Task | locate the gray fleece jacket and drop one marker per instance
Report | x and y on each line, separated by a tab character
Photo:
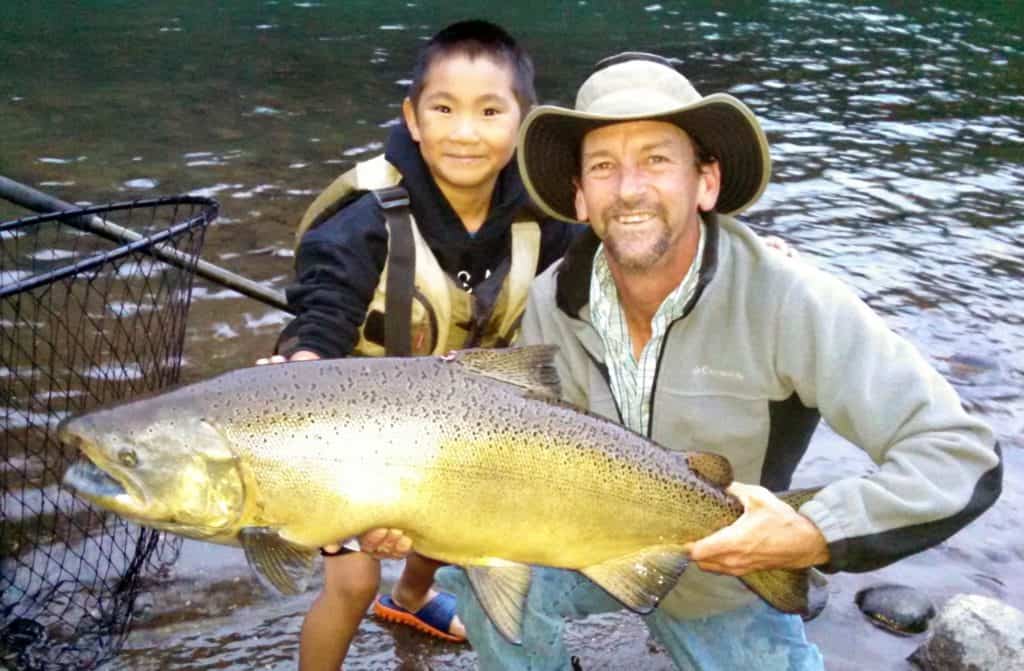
765	348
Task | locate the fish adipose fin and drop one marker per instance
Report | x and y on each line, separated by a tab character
642	579
714	468
783	589
798	497
501	591
286	567
532	367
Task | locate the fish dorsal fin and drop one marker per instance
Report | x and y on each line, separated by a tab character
531	367
714	468
284	566
797	497
642	579
501	591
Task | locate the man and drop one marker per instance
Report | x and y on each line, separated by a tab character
673	318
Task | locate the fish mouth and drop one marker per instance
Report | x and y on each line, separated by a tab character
94	482
91	481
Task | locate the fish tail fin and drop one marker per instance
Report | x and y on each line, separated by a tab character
785	590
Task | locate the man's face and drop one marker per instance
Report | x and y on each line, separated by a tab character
465	122
641	190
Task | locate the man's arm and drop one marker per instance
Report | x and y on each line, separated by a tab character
938	467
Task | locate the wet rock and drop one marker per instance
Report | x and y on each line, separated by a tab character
896	608
973	633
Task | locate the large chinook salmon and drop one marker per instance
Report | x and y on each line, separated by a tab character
472	455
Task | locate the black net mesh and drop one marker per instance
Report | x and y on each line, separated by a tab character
84	321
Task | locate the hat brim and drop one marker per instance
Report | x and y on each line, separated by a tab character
550	138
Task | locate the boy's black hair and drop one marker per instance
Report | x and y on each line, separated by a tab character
475	38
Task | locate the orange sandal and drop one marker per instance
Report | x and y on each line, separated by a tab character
434	618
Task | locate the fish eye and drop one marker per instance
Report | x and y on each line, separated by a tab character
128	457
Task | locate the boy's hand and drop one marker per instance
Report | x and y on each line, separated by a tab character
385	543
301	355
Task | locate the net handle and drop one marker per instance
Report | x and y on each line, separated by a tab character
181	259
36	200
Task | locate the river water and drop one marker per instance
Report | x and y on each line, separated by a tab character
897	134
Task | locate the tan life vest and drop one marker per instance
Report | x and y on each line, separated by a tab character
442	315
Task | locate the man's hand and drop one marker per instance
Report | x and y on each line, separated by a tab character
301	355
768	535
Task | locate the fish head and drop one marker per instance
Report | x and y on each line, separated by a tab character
159	466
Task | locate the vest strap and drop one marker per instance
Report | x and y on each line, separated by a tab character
394	201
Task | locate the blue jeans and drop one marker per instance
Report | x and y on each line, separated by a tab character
754	637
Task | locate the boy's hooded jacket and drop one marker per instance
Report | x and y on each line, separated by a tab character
339	262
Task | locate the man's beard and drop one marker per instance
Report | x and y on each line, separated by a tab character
627	256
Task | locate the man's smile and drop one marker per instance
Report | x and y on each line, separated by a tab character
633	218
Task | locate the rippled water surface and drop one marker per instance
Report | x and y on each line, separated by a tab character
898	146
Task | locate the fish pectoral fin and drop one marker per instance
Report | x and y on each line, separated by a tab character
642	579
714	468
532	367
501	591
783	589
285	566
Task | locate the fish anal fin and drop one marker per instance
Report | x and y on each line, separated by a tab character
284	566
785	590
714	468
502	591
531	368
642	579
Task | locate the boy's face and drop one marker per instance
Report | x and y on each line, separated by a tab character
466	122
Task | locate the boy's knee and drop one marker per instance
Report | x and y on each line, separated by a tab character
352	578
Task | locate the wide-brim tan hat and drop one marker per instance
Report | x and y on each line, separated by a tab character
632	87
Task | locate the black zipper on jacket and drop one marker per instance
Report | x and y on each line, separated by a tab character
708	267
572	288
602	368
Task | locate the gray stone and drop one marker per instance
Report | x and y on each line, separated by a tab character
973	633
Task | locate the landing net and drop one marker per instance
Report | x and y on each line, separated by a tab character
85	320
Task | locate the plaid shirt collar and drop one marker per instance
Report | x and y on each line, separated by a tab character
632	380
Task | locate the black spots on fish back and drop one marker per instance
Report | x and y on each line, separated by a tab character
369	396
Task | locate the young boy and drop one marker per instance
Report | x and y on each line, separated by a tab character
449	269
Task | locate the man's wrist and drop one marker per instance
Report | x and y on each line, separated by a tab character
818	552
